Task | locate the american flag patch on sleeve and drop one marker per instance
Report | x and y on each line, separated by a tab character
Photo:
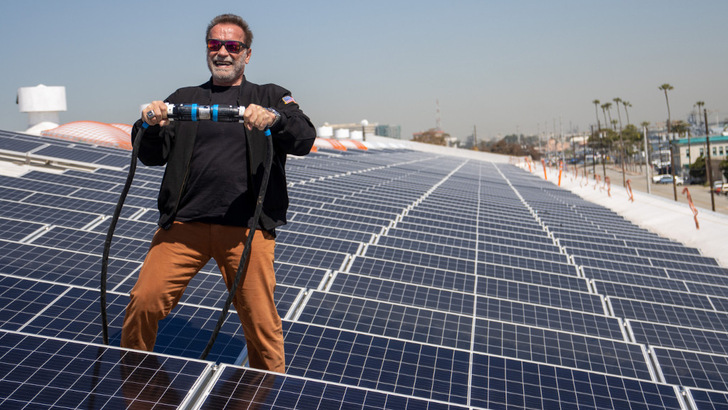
288	99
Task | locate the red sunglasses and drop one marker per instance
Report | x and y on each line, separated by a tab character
230	45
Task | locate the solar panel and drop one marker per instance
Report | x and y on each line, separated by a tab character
244	388
701	370
54	373
405	280
679	337
702	399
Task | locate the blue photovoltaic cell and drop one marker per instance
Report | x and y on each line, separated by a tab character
299	255
21	300
299	276
720	304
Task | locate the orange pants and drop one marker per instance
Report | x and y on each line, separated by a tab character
174	258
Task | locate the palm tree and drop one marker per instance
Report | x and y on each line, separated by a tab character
608	107
667	87
700	105
604	113
626	104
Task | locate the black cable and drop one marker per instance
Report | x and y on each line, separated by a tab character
112	227
239	275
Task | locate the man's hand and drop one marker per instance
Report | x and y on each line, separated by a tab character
258	117
155	114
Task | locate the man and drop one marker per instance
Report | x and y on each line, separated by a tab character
207	197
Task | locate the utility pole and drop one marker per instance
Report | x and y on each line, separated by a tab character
708	167
647	157
590	144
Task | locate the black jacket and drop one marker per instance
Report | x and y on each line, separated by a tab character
172	146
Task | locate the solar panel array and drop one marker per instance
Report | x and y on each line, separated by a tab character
405	280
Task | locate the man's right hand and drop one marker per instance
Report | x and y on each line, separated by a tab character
155	114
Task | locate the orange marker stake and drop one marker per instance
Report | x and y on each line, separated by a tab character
692	207
629	191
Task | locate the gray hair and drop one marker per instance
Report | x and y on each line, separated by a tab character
231	19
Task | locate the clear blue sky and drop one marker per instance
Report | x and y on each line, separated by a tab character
502	66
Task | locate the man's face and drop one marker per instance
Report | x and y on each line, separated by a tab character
227	68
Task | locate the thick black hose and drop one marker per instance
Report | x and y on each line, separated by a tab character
243	259
112	227
239	275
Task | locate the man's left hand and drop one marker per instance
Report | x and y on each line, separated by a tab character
258	117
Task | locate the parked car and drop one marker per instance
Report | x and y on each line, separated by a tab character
720	187
667	179
656	178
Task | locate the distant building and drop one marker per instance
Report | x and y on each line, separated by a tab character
698	147
354	130
391	131
435	136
